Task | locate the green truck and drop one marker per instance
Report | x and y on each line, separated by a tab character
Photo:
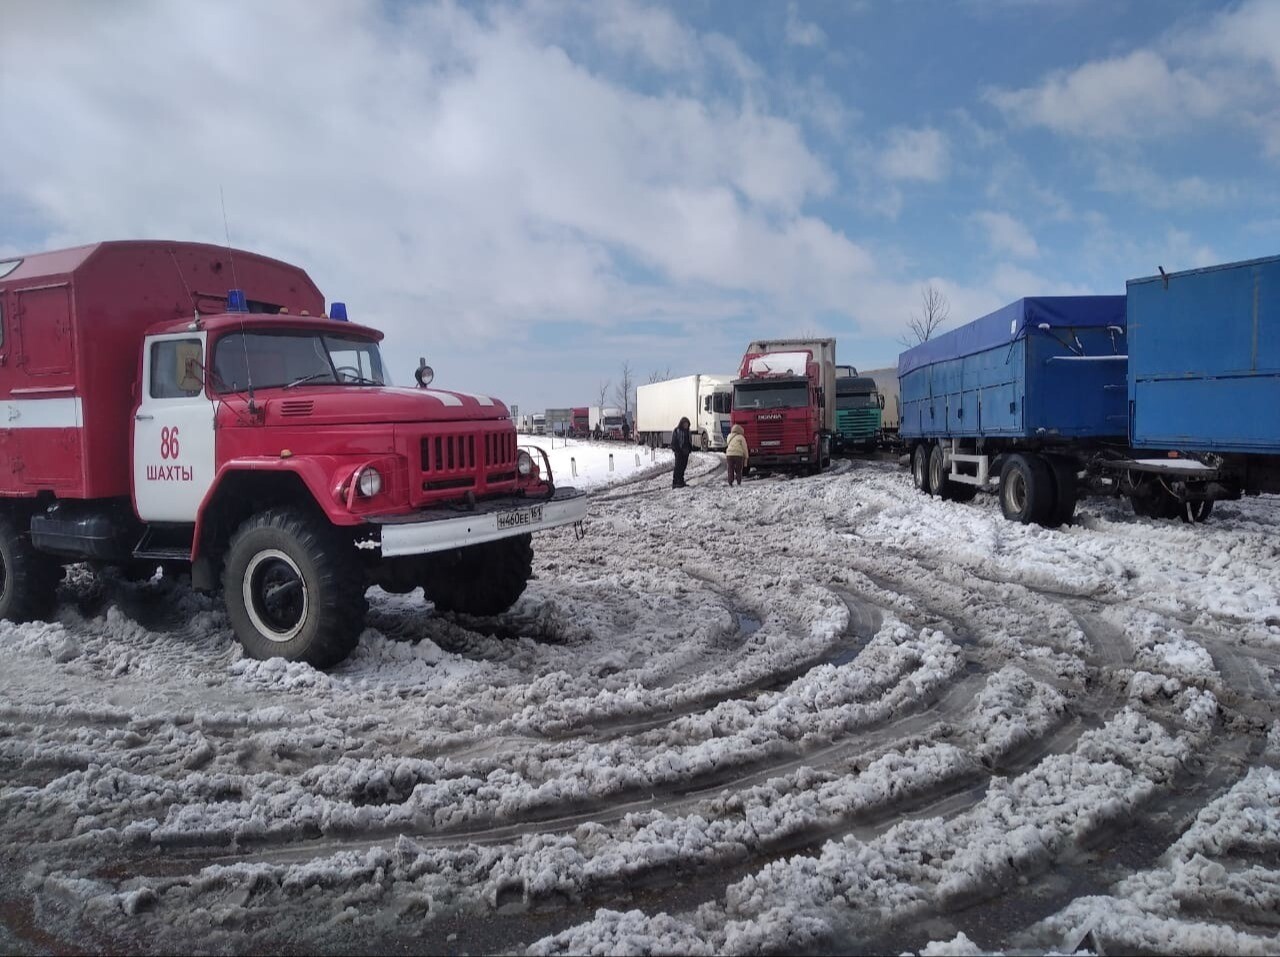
858	411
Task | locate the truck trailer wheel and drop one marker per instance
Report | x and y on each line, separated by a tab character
28	578
1026	489
1195	512
294	589
920	468
941	485
1066	490
481	579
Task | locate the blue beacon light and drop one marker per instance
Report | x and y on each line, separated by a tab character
338	311
236	301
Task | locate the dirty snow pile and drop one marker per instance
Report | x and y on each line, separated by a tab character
803	715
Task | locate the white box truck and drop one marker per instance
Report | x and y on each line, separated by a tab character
706	400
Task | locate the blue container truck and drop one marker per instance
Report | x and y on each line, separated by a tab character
1169	395
1027	393
1204	386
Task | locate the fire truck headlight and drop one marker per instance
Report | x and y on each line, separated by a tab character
802	448
524	463
369	482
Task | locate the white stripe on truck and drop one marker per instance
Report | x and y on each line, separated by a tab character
63	413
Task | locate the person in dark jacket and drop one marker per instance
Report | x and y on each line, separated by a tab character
681	445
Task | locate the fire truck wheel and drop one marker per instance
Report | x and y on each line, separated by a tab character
28	578
293	589
481	579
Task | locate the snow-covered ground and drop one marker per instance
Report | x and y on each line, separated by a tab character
808	715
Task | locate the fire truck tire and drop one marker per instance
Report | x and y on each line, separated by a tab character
28	578
481	579
294	589
1026	489
920	468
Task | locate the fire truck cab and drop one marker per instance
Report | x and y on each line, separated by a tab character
181	405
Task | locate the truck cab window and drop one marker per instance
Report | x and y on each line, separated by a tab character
177	369
272	360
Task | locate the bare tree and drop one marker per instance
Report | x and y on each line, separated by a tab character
604	393
656	376
622	392
934	311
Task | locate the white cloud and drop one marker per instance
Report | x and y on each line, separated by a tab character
455	175
1129	96
1007	235
1250	33
1134	181
1201	71
802	33
917	154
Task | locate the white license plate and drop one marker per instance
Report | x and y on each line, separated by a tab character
771	442
520	516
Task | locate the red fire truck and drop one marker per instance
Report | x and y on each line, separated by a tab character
187	406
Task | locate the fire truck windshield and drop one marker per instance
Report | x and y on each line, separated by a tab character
771	395
267	360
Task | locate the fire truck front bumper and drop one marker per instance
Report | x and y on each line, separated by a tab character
440	529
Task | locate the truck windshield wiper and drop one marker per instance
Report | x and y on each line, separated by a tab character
309	378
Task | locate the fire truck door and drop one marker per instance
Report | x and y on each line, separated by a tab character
173	458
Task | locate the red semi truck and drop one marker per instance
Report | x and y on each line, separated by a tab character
784	399
192	406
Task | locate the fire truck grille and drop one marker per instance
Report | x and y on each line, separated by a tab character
456	461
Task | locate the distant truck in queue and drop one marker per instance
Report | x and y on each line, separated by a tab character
886	381
1168	395
193	407
608	422
784	398
705	400
581	422
558	421
858	407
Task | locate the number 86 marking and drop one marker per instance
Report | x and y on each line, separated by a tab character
169	442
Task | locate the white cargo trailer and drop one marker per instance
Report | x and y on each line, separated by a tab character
887	385
706	400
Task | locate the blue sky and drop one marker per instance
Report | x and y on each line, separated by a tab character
531	194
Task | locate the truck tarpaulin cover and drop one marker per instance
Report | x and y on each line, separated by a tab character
779	363
1013	322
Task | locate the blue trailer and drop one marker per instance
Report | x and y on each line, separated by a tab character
1204	385
1026	393
1169	395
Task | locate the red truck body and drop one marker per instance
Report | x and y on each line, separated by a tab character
73	323
784	399
581	427
186	404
